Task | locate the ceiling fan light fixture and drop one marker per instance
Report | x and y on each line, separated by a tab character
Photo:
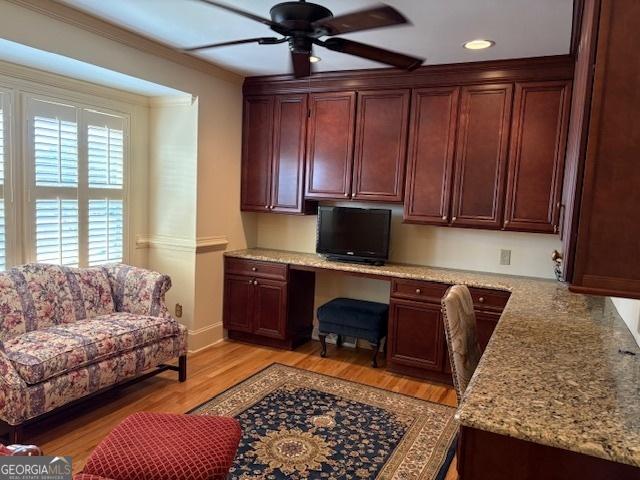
478	44
314	59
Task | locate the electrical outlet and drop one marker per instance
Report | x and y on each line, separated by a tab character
505	257
178	310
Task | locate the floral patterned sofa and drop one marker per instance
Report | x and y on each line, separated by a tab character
68	332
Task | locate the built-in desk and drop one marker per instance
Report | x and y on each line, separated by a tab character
556	391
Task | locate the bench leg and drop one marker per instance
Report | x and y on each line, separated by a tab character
323	342
15	434
374	359
182	368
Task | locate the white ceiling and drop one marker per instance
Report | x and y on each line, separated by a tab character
70	67
520	28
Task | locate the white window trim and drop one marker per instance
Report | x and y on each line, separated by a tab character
17	88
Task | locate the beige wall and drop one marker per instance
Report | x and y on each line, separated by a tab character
467	249
418	244
629	310
173	162
216	214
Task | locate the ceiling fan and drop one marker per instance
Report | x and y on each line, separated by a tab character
302	24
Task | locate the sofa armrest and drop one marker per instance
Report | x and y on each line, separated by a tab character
9	377
139	291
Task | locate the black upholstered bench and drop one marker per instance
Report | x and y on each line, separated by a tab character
347	317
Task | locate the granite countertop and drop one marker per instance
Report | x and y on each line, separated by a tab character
554	372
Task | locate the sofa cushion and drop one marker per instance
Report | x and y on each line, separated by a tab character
37	296
43	354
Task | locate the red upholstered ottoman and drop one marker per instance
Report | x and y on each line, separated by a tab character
162	446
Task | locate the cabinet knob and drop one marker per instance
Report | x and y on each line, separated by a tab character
255	282
444	217
481	299
418	291
267	207
250	282
454	219
346	195
254	269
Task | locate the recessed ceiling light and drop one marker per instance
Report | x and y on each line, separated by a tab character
478	44
314	59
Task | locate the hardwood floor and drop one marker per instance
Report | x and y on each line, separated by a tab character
77	431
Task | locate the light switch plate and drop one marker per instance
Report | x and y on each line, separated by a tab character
505	257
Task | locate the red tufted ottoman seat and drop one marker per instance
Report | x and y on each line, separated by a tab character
162	446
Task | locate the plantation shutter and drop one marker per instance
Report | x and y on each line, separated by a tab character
77	179
105	143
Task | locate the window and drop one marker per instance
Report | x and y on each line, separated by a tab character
75	183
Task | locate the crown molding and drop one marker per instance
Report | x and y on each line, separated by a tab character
557	67
25	77
116	33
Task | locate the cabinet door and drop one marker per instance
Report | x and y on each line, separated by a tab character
380	145
330	145
288	153
485	325
257	144
536	156
607	258
269	308
238	301
481	156
416	334
431	145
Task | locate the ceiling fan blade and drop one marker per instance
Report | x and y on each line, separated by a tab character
301	64
382	16
370	52
265	21
260	41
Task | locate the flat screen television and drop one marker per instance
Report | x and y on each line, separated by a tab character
354	234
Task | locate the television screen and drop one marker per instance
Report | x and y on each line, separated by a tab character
358	234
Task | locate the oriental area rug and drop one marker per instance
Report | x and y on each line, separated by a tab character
298	424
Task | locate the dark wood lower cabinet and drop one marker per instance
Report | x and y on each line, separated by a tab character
415	339
270	313
417	344
258	309
272	303
484	455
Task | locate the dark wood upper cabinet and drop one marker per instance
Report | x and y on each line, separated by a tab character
273	150
481	156
330	135
536	156
607	257
287	189
257	147
380	145
431	147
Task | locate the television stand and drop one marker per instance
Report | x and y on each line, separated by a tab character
349	259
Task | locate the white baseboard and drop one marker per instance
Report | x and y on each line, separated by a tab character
205	337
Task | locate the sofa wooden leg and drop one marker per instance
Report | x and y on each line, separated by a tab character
15	434
182	368
374	359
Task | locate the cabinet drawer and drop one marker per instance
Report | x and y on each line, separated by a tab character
417	290
254	268
486	299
